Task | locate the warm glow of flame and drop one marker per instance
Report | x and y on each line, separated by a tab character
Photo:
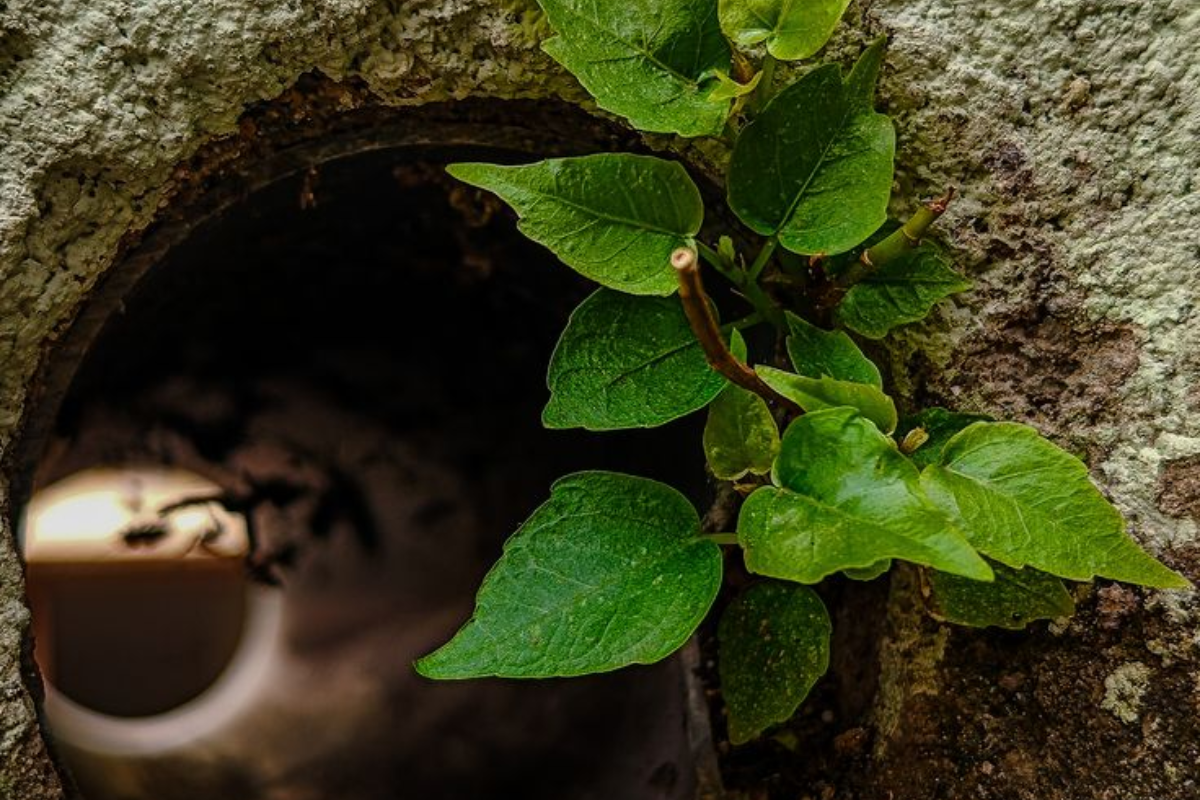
86	518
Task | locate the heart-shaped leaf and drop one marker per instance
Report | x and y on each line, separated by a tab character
614	217
814	394
627	362
610	571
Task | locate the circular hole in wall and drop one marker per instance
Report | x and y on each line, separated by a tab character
354	355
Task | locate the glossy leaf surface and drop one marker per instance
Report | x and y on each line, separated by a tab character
819	353
814	394
791	29
627	362
614	218
903	290
1025	502
650	61
610	571
847	500
815	166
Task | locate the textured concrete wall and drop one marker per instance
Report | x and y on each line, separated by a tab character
1071	129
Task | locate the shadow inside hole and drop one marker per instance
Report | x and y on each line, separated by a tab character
366	348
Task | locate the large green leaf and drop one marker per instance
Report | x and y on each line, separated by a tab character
627	362
817	353
815	167
650	61
610	571
740	435
814	394
613	217
903	290
774	645
1024	502
940	425
1016	598
848	500
792	29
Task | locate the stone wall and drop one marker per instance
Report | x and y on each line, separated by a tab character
1070	128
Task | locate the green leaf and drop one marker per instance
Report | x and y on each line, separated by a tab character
740	435
869	573
1016	598
848	500
815	166
817	353
903	290
1024	502
610	571
729	89
627	362
940	425
650	61
814	394
774	645
613	217
792	29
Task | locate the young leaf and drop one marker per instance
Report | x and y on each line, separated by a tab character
627	362
848	500
792	30
940	425
740	435
729	89
614	217
1024	502
901	291
774	645
649	61
870	573
817	353
815	166
1016	598
610	571
814	394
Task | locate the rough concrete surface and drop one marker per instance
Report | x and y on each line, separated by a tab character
1070	128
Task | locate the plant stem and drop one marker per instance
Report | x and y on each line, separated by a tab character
902	240
762	94
700	314
763	257
748	321
727	271
722	538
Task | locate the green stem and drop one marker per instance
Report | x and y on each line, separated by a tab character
762	94
730	539
748	321
902	240
764	256
727	271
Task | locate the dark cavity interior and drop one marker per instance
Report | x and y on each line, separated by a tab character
366	342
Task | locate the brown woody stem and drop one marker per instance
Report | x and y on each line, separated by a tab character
700	314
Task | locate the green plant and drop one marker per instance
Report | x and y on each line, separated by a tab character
613	569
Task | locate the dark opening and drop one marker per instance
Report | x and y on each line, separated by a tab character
365	342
